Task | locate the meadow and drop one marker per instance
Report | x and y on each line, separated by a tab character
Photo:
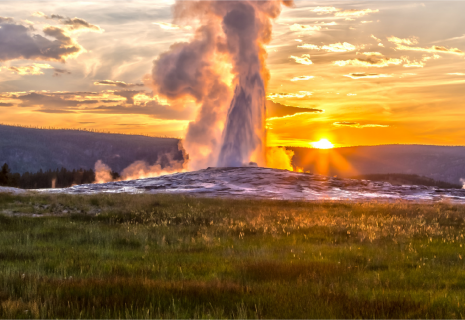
161	256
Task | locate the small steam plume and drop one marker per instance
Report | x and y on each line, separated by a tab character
165	164
463	181
102	172
223	69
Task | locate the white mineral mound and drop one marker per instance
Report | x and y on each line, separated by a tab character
265	183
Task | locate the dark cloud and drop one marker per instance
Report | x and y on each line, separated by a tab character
50	101
109	101
6	104
6	20
128	94
58	72
17	42
55	111
274	109
120	84
72	23
152	108
86	122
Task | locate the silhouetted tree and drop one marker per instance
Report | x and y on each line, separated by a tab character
5	175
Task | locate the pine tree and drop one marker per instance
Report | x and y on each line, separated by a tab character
5	175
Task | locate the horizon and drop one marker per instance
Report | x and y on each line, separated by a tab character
340	71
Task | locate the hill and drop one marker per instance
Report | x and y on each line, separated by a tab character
27	149
442	163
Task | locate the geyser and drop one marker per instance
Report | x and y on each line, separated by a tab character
222	68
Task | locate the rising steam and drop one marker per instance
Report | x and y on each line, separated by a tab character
222	69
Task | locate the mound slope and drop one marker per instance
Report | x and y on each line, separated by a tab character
266	183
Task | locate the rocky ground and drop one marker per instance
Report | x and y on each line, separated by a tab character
266	183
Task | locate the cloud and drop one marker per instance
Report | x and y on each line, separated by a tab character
305	59
372	53
354	13
152	108
278	110
456	74
6	20
55	111
364	75
334	47
128	94
379	63
300	94
6	104
433	49
303	27
58	72
35	69
300	78
409	41
51	101
351	94
366	21
377	39
358	125
71	24
404	44
17	42
114	83
170	26
413	64
325	10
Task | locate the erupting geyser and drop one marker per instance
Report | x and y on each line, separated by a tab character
222	68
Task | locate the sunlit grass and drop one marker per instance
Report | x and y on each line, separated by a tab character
153	256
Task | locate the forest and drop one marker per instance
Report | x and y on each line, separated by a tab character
59	178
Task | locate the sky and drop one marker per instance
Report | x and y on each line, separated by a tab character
352	72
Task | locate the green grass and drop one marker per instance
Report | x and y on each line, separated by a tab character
155	256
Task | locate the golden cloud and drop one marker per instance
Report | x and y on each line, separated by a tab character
358	125
304	59
35	69
369	63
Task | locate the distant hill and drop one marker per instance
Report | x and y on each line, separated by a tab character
26	149
436	162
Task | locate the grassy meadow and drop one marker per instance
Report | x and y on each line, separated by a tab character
159	256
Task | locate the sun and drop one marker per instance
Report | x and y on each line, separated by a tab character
322	144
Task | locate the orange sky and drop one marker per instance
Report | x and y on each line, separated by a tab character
361	73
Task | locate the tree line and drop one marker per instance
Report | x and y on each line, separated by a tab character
59	178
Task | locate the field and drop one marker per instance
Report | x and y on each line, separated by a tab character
157	256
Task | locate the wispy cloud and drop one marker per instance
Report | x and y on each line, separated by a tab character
304	27
379	63
358	125
120	84
334	47
364	75
300	78
300	94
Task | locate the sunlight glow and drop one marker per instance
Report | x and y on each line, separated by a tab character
322	144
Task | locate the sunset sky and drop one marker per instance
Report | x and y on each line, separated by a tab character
355	73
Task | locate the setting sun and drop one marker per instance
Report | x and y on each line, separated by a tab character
322	144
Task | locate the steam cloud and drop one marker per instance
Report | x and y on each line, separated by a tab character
165	164
222	68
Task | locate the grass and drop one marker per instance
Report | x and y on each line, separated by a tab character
158	256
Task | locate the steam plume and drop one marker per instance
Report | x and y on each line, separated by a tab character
222	68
